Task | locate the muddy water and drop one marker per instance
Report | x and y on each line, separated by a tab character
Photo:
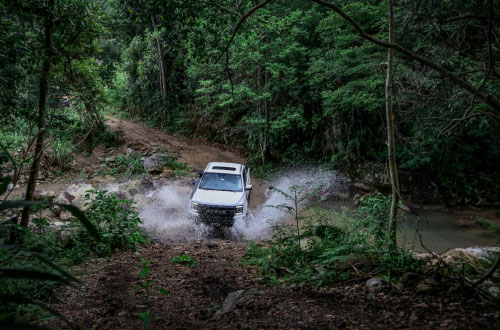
442	231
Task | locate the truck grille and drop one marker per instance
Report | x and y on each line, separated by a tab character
214	211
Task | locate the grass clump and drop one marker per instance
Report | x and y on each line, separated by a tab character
180	169
184	259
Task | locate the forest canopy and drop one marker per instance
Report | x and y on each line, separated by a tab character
297	82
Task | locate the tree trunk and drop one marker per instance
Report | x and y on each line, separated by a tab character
35	166
262	104
267	151
163	81
393	173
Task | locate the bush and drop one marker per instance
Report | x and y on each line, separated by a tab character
328	243
116	219
130	164
184	260
127	165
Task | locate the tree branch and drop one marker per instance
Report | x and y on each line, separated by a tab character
240	22
486	98
221	7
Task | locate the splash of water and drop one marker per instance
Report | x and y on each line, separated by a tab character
164	211
260	222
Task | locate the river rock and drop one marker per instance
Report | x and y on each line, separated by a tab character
154	163
230	303
132	187
122	195
485	252
494	291
376	284
10	186
458	254
147	181
79	191
65	215
110	160
427	285
64	198
356	199
307	242
168	173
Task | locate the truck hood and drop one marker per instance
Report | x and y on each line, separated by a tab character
218	197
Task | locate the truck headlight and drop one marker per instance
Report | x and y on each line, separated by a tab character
239	210
194	207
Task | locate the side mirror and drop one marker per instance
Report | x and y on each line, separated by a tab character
248	187
200	173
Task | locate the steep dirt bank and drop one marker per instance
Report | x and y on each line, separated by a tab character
194	153
107	299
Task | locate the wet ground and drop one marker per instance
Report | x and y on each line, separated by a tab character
108	297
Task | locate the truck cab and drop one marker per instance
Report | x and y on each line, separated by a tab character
221	194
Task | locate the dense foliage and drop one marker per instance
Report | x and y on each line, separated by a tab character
299	83
296	83
30	270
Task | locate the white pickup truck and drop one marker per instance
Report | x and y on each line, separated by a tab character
221	194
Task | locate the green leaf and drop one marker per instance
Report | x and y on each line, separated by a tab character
26	301
163	291
29	274
54	266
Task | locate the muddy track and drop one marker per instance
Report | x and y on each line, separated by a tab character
194	153
109	299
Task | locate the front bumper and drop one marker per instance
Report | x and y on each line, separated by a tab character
215	215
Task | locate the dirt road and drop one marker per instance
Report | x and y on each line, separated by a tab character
194	153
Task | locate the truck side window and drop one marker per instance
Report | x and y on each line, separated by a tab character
245	176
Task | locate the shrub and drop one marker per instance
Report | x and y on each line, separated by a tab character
327	245
180	169
130	164
116	219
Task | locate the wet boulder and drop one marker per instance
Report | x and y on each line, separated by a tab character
230	303
147	181
79	191
376	284
154	163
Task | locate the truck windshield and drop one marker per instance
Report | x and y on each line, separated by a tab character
221	181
